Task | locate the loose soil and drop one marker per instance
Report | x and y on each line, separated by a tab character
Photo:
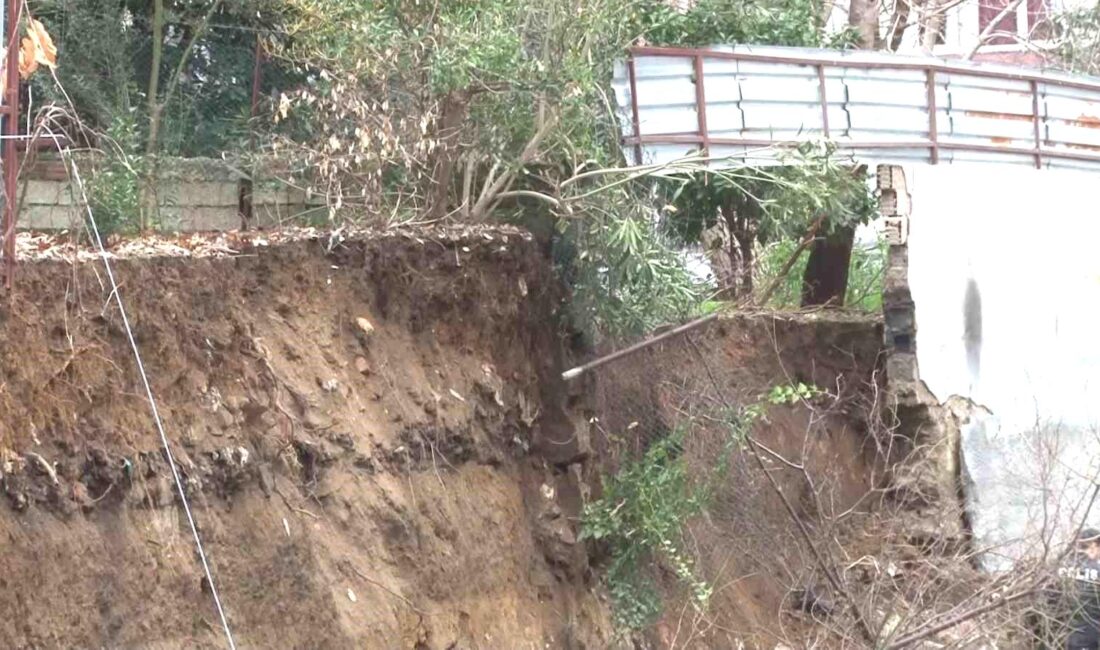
355	423
377	444
747	546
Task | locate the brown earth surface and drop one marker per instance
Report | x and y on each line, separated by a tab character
377	446
746	545
354	428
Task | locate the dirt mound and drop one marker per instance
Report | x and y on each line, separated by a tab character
358	425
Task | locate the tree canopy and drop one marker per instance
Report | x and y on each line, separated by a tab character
408	110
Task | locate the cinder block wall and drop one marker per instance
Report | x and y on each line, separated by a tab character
192	195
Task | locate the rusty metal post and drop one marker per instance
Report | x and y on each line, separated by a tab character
1037	120
632	73
933	125
701	104
11	130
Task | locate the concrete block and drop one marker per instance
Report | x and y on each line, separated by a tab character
892	190
47	192
896	230
207	193
271	196
49	217
197	218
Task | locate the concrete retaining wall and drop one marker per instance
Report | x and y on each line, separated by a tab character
992	294
193	195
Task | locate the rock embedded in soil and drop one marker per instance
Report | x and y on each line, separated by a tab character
366	329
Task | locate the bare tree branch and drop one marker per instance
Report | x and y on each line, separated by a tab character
989	30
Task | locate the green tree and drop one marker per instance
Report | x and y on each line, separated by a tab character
736	211
1077	39
472	108
107	48
740	210
419	111
176	72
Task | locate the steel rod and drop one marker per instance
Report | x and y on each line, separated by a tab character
1037	121
614	356
11	129
635	124
701	105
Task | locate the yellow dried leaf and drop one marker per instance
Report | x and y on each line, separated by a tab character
36	49
45	52
28	62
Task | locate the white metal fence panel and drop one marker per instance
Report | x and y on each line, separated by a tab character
747	103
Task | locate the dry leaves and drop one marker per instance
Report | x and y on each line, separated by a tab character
35	49
62	246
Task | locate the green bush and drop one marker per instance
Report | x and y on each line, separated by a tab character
641	517
113	187
646	505
866	277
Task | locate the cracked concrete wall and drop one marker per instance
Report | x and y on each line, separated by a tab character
992	293
927	474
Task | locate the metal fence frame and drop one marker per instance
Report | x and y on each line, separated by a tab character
931	68
9	111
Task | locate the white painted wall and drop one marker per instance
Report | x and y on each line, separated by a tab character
1029	239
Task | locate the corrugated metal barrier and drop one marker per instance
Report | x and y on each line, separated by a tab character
747	103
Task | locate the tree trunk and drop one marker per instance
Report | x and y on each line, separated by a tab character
863	16
148	189
453	116
898	24
932	26
744	238
826	278
719	252
729	248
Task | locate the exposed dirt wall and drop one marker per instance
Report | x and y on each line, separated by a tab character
359	430
380	451
826	462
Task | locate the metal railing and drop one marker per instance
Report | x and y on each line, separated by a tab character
989	88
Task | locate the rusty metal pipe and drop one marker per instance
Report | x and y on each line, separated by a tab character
635	125
637	347
11	130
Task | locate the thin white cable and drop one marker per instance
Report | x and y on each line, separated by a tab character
152	402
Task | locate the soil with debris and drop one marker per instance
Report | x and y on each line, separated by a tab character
374	436
357	418
768	591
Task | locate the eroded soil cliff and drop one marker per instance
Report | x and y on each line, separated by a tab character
357	423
